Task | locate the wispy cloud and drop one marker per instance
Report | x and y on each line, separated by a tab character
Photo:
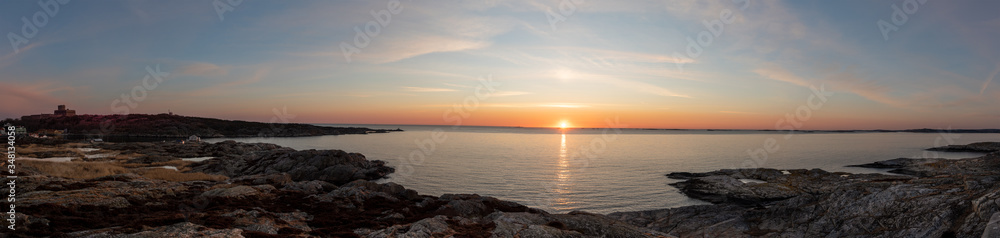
837	80
226	87
508	93
458	85
531	105
989	79
427	90
737	112
201	69
643	87
564	105
20	98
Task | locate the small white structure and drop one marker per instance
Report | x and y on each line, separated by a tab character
194	138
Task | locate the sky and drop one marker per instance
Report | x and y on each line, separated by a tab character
740	64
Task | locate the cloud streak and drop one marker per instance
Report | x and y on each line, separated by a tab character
989	79
427	90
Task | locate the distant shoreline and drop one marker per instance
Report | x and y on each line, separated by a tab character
923	130
150	127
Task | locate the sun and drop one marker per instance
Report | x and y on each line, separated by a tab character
564	74
564	125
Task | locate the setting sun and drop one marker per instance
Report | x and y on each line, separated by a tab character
563	125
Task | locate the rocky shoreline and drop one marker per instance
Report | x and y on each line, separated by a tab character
930	198
260	190
265	190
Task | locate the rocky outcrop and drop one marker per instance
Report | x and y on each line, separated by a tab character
465	215
933	198
333	166
252	206
162	151
984	147
928	167
280	192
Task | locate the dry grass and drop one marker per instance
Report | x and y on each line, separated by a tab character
171	175
89	170
175	163
74	170
34	148
113	165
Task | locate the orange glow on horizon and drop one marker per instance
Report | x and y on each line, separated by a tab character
575	118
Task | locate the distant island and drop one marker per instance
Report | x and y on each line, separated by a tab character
135	127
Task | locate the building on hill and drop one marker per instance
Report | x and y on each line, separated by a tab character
61	111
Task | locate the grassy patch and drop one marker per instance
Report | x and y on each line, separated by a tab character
171	175
74	170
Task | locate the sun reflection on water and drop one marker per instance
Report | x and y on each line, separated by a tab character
563	179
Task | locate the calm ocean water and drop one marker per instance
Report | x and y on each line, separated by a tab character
603	170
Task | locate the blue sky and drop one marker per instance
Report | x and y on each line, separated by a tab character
604	59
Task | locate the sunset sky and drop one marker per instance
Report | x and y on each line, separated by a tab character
599	60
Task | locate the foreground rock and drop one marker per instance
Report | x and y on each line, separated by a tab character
274	206
934	198
279	192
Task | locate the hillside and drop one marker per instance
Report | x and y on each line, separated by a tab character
166	125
